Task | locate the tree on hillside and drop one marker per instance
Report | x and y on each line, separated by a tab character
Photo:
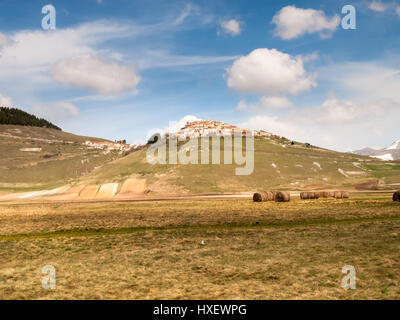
22	118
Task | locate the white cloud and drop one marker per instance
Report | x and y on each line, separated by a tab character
95	74
5	101
265	104
172	127
269	72
366	112
355	78
376	6
57	111
292	22
36	50
231	27
26	56
275	102
186	12
330	132
274	125
335	111
335	124
3	39
160	58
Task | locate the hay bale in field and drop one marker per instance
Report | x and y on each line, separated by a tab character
396	196
331	194
260	196
282	196
312	195
345	195
304	196
342	195
271	195
264	196
338	194
323	194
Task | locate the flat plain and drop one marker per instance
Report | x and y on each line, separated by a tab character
202	249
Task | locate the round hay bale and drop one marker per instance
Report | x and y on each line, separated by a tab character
338	194
282	196
304	196
331	194
311	195
260	196
323	194
345	195
396	196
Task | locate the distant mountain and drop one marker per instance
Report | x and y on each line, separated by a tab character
390	153
366	151
15	116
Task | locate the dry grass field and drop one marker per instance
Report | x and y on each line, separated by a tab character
154	250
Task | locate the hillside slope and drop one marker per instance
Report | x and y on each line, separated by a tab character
69	169
63	157
278	165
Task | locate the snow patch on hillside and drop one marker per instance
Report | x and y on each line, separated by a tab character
385	157
394	146
317	164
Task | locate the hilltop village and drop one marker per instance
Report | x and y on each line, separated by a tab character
215	128
192	129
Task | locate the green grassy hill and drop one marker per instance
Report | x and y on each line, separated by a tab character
278	165
63	158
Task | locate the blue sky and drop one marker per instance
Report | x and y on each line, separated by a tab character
117	69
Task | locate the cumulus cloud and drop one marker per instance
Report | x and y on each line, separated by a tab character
292	22
5	101
57	111
376	6
92	73
231	27
265	104
269	72
358	116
